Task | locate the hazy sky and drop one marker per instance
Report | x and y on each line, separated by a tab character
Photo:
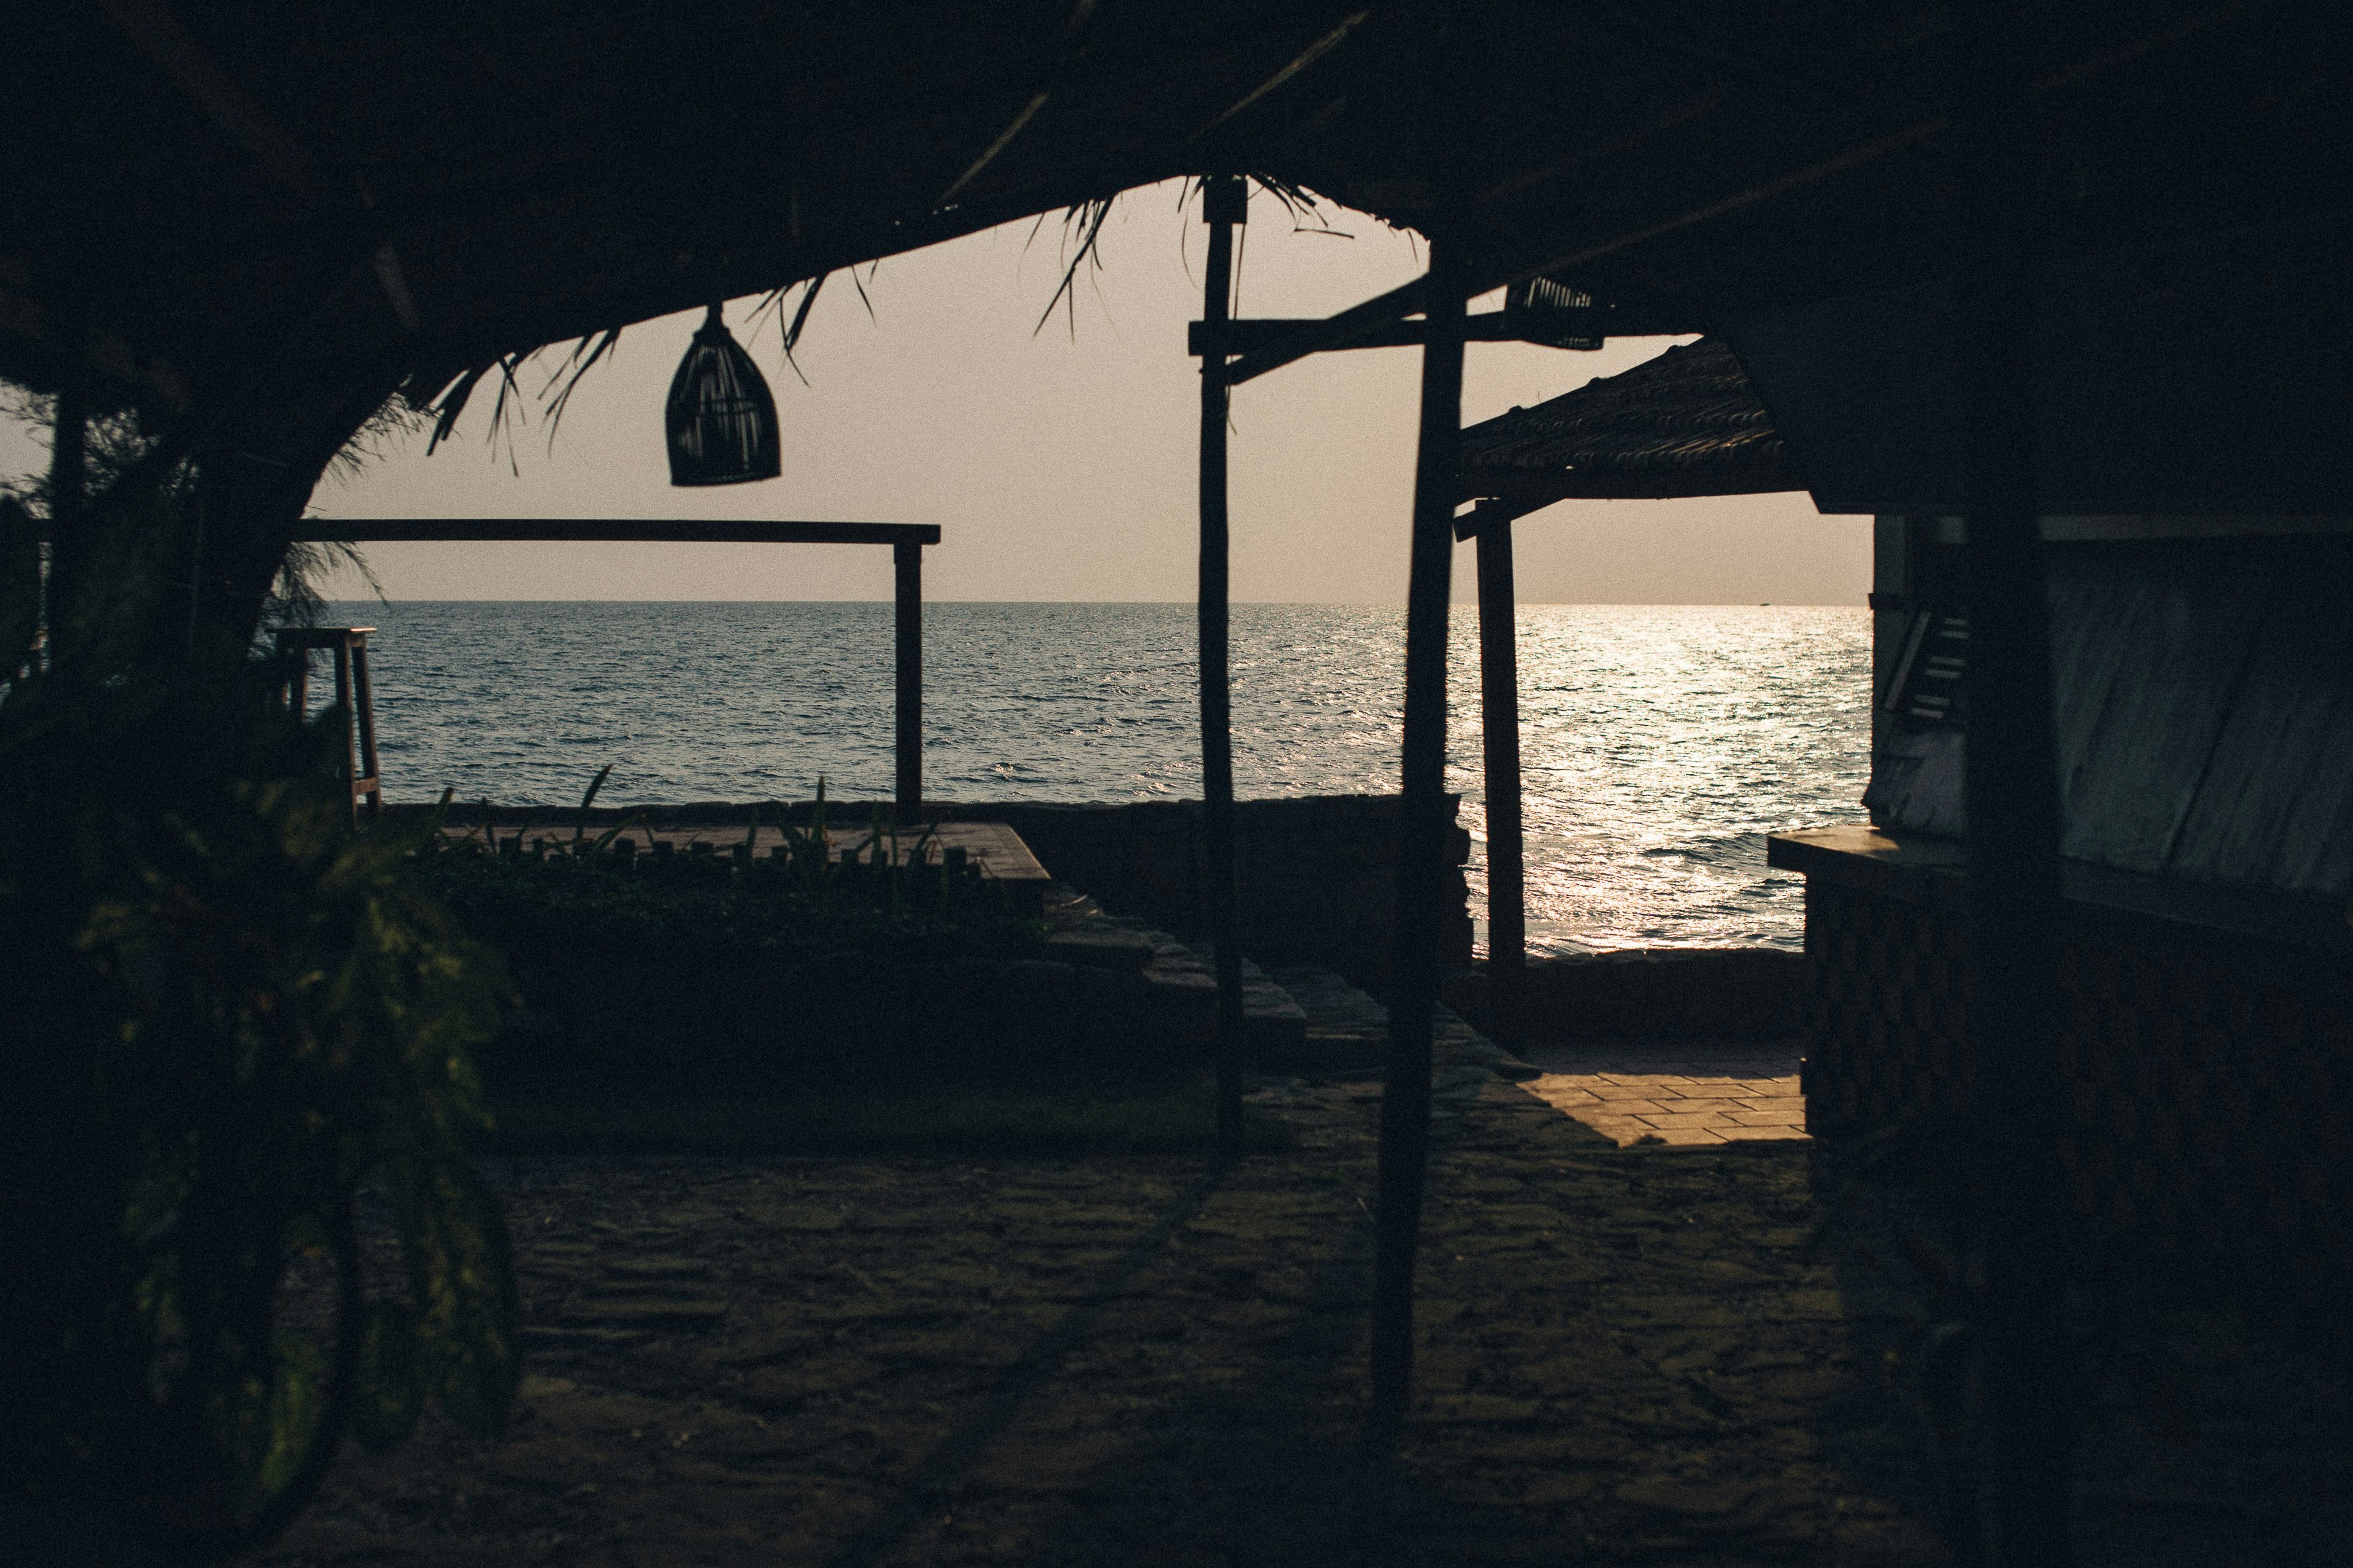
1060	465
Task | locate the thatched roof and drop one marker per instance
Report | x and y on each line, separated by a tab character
1686	422
207	197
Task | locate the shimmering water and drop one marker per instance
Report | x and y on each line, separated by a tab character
1662	743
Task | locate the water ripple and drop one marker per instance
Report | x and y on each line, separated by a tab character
1662	743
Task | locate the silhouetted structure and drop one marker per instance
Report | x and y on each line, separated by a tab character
1983	261
906	541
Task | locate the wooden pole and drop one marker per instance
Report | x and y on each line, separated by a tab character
1499	702
1421	851
2020	1102
907	559
1224	205
339	655
69	485
364	712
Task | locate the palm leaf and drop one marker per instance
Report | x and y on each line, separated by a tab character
581	828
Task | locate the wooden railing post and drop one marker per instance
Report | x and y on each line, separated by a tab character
907	559
1421	851
1499	703
2021	1101
1224	205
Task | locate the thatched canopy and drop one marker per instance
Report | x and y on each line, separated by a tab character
1687	422
209	201
215	183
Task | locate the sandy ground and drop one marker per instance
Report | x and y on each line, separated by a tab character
1646	1354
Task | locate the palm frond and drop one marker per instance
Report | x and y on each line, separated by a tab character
579	362
1087	219
800	320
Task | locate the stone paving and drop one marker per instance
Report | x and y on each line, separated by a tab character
1652	1354
1704	1356
1675	1091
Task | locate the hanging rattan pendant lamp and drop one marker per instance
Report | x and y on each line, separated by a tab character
722	420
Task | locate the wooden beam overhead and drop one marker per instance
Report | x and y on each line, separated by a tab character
1533	487
598	530
1558	328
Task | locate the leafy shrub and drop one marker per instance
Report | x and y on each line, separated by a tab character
227	1011
646	967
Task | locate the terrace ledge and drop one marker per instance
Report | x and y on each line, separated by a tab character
1931	872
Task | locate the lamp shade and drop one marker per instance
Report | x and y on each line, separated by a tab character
722	420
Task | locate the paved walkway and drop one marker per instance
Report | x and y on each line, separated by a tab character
1675	1091
1626	1356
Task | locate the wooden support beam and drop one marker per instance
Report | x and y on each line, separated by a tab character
2021	1103
1345	329
1421	852
595	530
1224	205
68	490
151	28
1333	332
1529	489
1381	322
907	643
1499	702
906	541
1564	327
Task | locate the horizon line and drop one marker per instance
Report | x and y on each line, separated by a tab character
1172	604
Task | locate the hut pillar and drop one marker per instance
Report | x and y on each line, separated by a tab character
1499	702
1421	849
2019	1101
1225	203
68	463
907	562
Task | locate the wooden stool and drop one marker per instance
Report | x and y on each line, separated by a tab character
349	645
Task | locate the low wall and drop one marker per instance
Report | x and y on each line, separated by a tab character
1317	873
1720	992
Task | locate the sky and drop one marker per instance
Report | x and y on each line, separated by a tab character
1059	461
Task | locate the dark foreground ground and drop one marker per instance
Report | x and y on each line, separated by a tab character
1706	1355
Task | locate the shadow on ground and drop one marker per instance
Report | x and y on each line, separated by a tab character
1628	1355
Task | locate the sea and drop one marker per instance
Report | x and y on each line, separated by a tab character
1661	743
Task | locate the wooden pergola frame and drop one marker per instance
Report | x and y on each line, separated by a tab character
2012	783
906	541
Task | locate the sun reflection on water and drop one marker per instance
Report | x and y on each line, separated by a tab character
1661	743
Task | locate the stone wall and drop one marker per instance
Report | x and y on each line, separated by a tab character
1714	993
1317	873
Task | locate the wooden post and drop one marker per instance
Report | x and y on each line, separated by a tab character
298	690
1499	703
370	773
69	484
1421	851
339	656
907	559
1225	203
2021	1101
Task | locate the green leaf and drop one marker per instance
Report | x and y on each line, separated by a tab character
297	1394
604	840
461	1282
390	1392
581	828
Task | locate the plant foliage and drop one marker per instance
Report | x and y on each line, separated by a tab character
569	905
228	1011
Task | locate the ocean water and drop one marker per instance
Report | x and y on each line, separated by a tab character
1661	744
